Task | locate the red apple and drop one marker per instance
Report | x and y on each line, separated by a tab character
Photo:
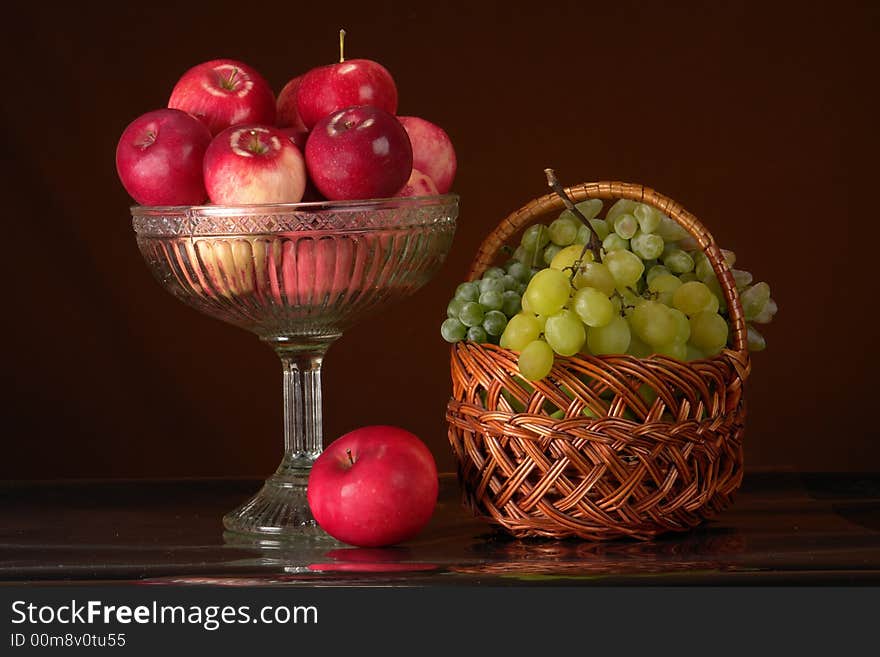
250	164
159	158
297	136
418	185
374	486
287	116
328	89
359	153
433	153
224	93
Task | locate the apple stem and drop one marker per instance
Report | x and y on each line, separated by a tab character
350	457
341	46
594	243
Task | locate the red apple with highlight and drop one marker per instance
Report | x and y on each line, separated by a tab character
433	153
159	158
359	153
375	486
325	90
224	93
254	164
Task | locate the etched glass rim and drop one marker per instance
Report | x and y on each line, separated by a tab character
178	220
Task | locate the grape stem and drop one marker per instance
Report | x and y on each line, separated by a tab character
594	243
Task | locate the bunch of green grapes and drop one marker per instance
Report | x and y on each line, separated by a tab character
651	291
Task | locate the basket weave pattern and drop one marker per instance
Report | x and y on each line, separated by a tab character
659	448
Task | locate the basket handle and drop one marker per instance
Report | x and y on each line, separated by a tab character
613	191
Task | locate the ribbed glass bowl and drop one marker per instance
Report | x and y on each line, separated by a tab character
297	276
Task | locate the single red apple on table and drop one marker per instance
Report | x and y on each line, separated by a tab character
375	486
250	164
433	153
159	158
224	93
286	115
359	153
418	185
328	89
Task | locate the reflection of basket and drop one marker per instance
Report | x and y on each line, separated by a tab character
636	468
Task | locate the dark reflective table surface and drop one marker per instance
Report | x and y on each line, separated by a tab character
784	528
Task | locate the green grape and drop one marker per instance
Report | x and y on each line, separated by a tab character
754	339
589	209
663	283
511	303
524	303
525	256
600	227
614	242
629	299
753	299
593	307
670	230
550	252
467	292
729	257
565	333
494	272
703	269
693	353
519	271
741	278
638	348
454	307
535	238
510	283
567	257
709	332
477	334
693	298
647	246
521	288
676	350
648	218
520	331
491	285
597	275
613	338
563	231
453	330
715	287
542	321
653	323
625	266
619	207
678	261
536	360
654	271
471	314
494	323
688	276
625	225
767	313
682	326
547	292
491	300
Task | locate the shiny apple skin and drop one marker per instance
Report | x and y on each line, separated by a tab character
433	152
159	158
375	486
359	153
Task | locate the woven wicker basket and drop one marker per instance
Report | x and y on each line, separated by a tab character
635	469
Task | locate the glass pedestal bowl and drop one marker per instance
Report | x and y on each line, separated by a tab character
297	276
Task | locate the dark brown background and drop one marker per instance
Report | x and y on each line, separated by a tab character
757	117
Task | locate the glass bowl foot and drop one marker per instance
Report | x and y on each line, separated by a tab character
278	513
